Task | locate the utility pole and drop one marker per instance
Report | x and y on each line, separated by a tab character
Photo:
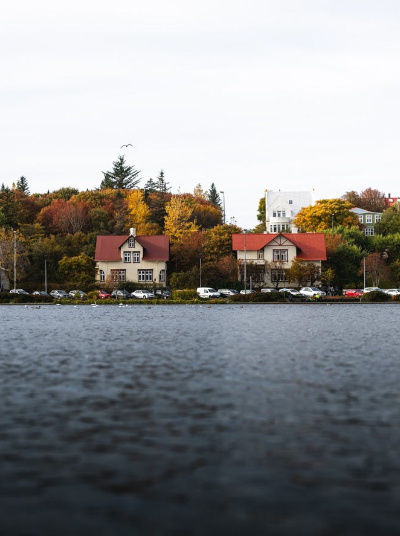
15	261
200	271
332	220
45	275
364	273
245	267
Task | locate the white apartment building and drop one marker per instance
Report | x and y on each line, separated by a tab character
282	207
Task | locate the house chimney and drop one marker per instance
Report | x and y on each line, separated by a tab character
389	195
132	231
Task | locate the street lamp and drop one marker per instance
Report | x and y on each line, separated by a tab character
333	215
223	193
15	261
245	267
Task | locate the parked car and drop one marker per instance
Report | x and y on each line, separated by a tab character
247	291
372	289
59	294
163	293
353	292
40	293
266	290
312	291
124	294
392	291
77	294
291	291
142	294
208	292
18	291
227	292
103	294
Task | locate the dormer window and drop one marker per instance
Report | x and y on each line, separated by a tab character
131	242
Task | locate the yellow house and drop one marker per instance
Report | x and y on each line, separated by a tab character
139	259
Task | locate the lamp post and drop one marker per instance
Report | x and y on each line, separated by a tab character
245	267
15	260
200	271
364	272
45	275
333	215
223	194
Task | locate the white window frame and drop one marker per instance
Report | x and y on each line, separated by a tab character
280	255
145	275
369	231
260	254
368	218
135	256
162	276
102	276
131	242
360	218
127	256
377	217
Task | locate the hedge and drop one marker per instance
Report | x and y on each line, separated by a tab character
375	296
185	294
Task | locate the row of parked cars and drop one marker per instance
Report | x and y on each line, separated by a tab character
358	292
208	292
103	294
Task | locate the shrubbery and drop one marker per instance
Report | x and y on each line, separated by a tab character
6	297
185	294
375	296
259	297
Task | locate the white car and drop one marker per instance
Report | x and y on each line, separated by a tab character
247	292
77	294
312	291
291	291
392	291
266	290
372	289
142	294
227	292
208	292
59	294
18	291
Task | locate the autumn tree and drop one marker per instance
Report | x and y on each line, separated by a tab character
178	218
7	252
261	215
206	214
121	176
369	199
140	214
218	241
298	272
376	268
320	216
198	192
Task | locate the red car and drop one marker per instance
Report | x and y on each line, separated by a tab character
353	292
104	294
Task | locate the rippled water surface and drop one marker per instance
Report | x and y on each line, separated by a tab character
258	419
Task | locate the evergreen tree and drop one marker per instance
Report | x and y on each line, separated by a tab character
150	186
121	176
162	185
213	196
22	185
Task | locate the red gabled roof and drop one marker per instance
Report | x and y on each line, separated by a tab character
310	246
155	248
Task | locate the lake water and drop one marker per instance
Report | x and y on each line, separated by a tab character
220	419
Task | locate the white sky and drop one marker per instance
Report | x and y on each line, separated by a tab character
255	94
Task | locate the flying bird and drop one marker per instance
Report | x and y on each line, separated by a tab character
127	145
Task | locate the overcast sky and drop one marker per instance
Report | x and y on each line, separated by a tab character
255	94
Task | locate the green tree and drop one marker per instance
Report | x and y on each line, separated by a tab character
22	185
390	221
161	184
213	196
78	270
122	176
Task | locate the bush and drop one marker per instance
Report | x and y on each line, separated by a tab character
259	297
185	294
375	296
5	297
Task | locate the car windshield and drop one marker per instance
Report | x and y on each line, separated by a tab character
315	288
212	290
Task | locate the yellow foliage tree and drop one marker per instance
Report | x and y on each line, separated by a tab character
139	214
325	214
178	216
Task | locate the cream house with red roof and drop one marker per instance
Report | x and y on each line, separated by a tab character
268	255
139	259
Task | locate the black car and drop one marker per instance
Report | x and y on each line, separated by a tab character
163	293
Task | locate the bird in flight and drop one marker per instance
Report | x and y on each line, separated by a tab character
127	145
